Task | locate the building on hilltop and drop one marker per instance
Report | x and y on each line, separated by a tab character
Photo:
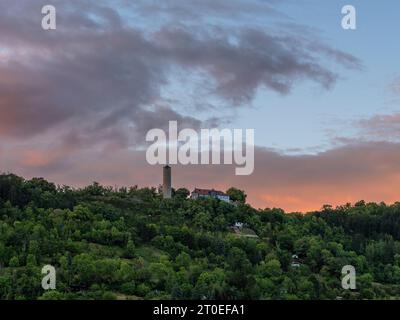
206	193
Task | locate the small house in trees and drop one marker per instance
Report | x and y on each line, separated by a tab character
239	225
295	261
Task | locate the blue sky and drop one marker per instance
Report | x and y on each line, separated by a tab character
309	117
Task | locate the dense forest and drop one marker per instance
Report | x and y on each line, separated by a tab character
130	243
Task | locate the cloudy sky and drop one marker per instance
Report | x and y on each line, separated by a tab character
77	102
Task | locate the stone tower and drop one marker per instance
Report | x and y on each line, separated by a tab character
167	191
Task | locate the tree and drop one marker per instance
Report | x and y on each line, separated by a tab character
130	249
211	285
14	262
270	269
181	193
236	195
52	295
183	260
159	274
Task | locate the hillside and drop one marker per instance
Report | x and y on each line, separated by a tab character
132	244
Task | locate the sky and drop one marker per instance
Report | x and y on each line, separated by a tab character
76	102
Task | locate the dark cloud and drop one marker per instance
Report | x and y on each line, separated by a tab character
255	59
97	73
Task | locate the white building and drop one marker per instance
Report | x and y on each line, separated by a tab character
206	193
